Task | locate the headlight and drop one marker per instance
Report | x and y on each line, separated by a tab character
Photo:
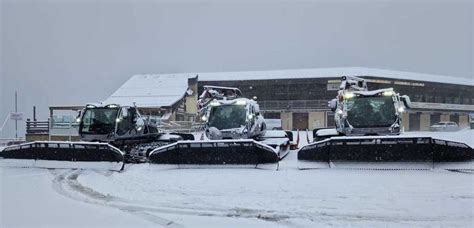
339	111
250	116
401	109
78	120
118	120
204	118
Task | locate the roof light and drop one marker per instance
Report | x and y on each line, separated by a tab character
388	93
112	106
90	106
215	103
349	95
241	102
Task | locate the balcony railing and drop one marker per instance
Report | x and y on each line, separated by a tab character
284	105
37	127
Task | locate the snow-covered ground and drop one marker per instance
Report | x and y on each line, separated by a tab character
29	198
144	196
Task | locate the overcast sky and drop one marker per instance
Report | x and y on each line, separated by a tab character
69	52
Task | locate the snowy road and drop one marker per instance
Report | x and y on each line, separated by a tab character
144	196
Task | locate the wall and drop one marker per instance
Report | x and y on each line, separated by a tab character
444	117
287	120
425	122
463	121
317	120
406	121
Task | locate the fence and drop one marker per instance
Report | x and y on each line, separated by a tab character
37	127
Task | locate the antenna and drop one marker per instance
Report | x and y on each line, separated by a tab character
16	111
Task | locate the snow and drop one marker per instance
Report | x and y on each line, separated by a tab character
144	196
465	135
37	163
28	199
150	91
325	73
329	131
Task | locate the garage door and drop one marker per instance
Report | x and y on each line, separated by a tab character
300	121
414	122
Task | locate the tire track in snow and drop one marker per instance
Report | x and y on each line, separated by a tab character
66	184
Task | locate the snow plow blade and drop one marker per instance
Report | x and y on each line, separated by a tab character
391	153
73	155
216	153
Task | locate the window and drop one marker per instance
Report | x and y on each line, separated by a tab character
371	111
465	100
456	100
418	98
429	98
227	116
448	100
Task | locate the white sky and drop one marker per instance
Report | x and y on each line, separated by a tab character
72	52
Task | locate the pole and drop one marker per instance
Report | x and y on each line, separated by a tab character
16	111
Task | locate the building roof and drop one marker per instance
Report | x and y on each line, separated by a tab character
164	90
150	90
329	72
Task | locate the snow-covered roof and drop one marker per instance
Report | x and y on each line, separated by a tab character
330	72
150	90
163	90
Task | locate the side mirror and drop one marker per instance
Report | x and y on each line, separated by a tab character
124	112
139	123
332	104
257	113
79	116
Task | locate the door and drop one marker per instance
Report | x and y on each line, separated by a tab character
330	120
300	121
454	118
414	122
435	118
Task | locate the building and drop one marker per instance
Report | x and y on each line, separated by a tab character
165	96
299	97
169	100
